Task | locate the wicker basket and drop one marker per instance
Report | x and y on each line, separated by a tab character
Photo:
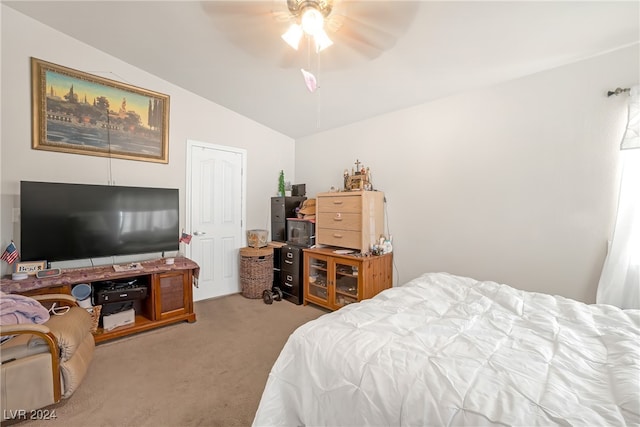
95	317
256	271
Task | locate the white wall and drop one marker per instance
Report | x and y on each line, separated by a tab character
191	117
515	183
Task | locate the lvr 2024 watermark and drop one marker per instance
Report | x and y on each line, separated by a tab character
23	414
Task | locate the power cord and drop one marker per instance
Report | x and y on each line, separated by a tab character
386	217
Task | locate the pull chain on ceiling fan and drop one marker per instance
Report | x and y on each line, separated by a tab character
310	20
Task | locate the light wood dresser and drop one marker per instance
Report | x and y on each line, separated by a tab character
350	219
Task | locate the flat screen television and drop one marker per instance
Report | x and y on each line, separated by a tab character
60	221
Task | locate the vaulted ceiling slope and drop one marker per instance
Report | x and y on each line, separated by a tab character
387	55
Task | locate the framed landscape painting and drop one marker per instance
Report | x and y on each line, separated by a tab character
76	112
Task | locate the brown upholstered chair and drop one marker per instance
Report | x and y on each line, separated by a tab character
44	363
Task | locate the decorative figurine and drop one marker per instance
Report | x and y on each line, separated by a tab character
360	178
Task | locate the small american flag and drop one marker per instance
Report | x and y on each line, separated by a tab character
185	238
10	254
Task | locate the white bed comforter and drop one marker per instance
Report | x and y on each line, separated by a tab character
446	350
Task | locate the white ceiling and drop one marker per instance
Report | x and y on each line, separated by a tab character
231	52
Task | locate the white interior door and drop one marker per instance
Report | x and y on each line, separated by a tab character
215	216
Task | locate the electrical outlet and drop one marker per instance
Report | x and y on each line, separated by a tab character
15	215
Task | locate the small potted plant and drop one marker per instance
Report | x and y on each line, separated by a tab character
281	185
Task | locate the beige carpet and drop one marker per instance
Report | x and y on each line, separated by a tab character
208	373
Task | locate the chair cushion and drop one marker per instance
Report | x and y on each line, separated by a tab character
70	329
74	370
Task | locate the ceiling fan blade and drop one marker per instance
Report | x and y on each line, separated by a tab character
253	26
358	34
289	59
390	16
372	25
228	8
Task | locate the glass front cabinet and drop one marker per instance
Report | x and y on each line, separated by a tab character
333	281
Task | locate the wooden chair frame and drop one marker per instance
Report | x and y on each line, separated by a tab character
43	332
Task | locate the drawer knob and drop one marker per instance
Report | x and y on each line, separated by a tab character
339	236
337	202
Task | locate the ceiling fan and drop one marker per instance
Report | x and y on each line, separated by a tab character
357	30
310	16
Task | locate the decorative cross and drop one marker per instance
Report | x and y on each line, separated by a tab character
357	163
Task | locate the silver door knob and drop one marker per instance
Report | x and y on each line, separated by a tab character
199	233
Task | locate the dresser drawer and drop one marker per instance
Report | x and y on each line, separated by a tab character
340	204
341	238
340	221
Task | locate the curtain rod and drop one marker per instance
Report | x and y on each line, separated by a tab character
618	91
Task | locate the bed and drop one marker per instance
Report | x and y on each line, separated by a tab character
446	350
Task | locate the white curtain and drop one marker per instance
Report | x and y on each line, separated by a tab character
620	279
631	138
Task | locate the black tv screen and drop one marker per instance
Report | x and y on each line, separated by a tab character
77	221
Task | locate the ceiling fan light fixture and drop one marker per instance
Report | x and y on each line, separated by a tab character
293	35
311	16
311	21
322	40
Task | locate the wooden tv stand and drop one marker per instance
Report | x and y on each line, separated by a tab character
169	293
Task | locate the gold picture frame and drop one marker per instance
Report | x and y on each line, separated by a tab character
80	113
